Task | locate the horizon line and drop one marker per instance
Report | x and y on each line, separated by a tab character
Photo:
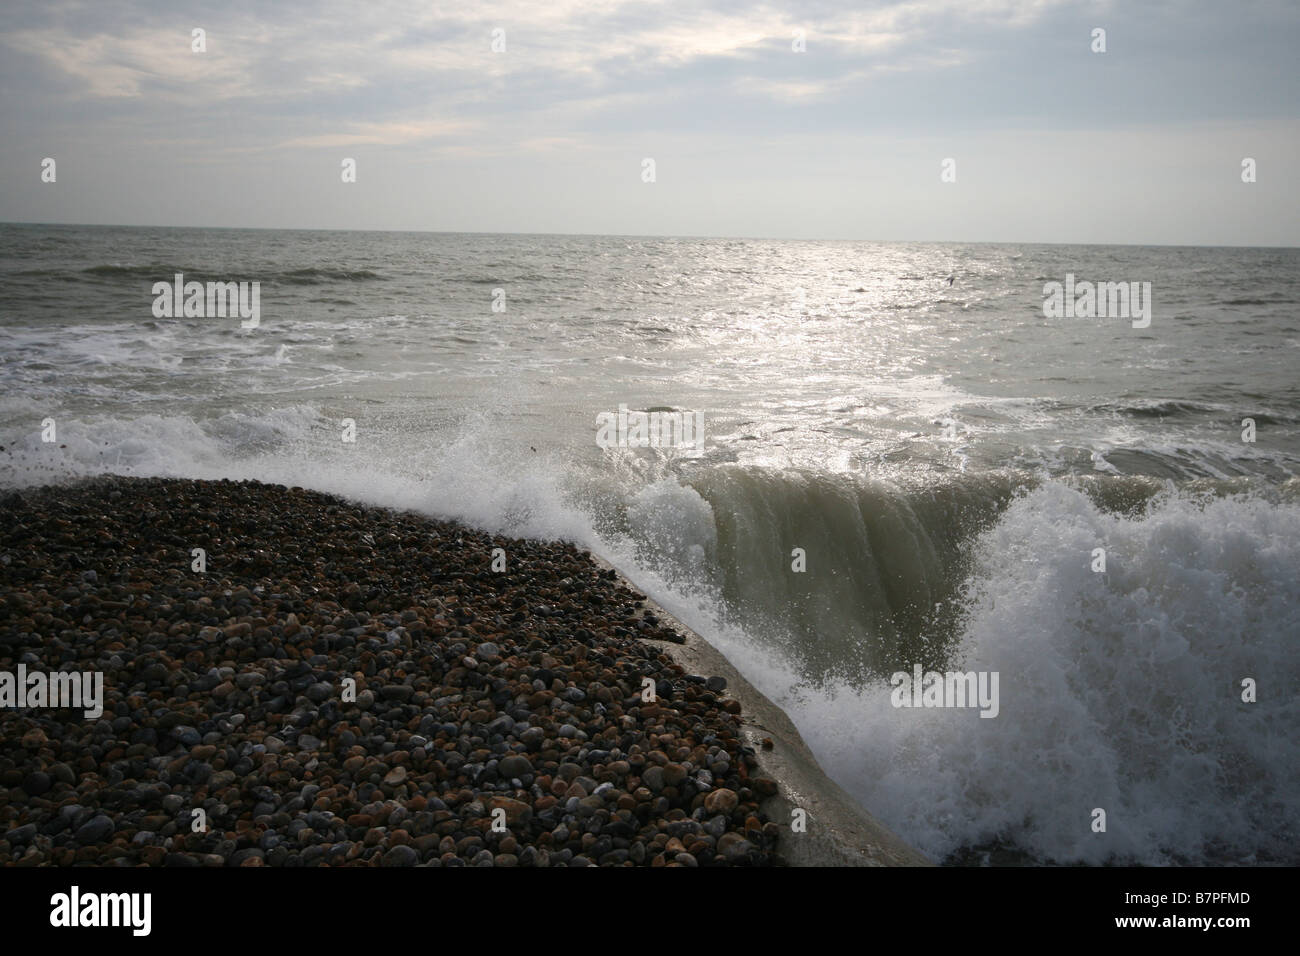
620	235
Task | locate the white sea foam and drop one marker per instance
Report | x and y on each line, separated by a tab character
1119	690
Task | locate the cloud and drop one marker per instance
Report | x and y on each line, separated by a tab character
342	46
380	134
111	66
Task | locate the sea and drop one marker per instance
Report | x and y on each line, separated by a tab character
908	457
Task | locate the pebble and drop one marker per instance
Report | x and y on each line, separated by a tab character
95	830
401	856
514	765
654	779
721	800
19	836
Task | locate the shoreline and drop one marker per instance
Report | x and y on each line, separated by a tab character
344	684
840	831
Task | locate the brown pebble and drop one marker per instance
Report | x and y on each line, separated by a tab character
721	801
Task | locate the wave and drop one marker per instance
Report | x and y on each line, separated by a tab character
1187	410
164	273
1120	691
314	275
882	561
115	270
36	273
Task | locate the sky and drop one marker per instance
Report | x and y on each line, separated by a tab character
815	119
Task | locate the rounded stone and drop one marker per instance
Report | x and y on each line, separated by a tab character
95	830
402	855
721	801
513	766
37	783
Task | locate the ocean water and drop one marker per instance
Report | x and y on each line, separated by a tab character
946	457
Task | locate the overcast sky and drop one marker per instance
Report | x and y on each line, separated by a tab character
1052	142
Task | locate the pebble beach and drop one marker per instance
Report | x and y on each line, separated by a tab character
343	685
